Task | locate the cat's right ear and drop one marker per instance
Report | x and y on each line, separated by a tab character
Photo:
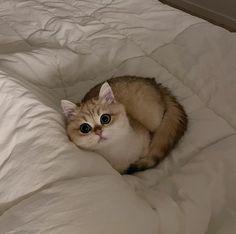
69	108
106	93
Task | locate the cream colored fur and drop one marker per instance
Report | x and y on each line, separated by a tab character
123	143
147	122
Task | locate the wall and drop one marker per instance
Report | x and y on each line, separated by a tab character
221	12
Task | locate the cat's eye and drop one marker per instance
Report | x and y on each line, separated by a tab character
85	128
105	119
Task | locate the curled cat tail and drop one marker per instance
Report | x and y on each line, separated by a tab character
166	136
171	129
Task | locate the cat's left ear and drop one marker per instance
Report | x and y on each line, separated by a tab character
106	93
69	108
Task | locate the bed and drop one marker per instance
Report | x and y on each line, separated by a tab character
53	50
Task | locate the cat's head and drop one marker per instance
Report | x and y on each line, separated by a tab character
97	122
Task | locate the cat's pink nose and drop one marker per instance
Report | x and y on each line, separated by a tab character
98	130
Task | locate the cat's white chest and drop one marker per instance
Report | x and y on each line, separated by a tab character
124	151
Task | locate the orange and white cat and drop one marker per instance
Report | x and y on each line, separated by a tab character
133	122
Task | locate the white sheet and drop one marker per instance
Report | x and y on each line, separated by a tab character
52	50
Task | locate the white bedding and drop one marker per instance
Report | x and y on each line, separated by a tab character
53	50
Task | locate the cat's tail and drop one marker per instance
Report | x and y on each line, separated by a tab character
166	136
171	129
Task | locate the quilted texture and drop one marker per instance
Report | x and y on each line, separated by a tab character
53	50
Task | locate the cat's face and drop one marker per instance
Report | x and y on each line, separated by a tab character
96	123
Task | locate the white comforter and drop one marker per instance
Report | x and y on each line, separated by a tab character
52	50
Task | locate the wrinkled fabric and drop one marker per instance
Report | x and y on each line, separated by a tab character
53	50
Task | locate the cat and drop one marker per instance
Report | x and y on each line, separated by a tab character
133	122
